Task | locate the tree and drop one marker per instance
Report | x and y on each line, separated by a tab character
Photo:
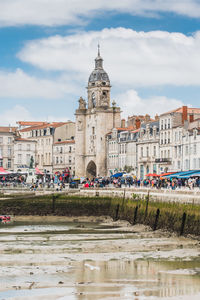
128	169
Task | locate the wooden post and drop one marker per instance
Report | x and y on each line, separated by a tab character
156	219
147	204
53	203
117	212
183	223
135	215
123	201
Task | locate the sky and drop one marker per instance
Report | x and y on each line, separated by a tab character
151	52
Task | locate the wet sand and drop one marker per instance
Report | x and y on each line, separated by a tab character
95	258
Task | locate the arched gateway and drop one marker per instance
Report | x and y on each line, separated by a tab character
91	169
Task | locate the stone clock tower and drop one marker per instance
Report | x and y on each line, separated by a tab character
94	120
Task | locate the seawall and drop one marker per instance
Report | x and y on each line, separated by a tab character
172	216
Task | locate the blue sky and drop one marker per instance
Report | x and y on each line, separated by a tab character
151	51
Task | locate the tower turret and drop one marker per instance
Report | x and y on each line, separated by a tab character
98	85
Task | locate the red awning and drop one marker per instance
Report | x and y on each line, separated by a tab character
38	172
152	175
3	171
165	174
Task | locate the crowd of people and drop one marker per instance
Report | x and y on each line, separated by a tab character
59	182
157	183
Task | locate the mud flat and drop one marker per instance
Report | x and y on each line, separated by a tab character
95	258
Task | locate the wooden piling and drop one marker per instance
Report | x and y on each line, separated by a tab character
156	219
117	213
183	223
135	215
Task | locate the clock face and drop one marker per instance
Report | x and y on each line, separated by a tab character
93	100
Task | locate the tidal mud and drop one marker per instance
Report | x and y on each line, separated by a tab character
95	258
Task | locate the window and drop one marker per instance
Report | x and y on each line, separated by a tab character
28	159
1	140
57	160
186	150
9	151
70	159
9	163
154	150
168	123
195	149
141	151
162	125
61	150
9	140
28	147
194	163
179	164
93	130
179	150
19	158
147	151
1	162
19	147
61	160
175	151
1	152
186	164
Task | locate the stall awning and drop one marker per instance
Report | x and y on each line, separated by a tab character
152	175
116	175
3	171
38	172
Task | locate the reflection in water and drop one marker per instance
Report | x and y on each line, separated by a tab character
57	261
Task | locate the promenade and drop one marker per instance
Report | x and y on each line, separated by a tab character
163	195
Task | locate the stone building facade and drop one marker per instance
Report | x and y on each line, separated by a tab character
24	152
45	136
94	120
7	137
64	156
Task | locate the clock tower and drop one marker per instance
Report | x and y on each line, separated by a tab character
94	120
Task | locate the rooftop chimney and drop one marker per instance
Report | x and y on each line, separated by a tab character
184	114
191	118
137	123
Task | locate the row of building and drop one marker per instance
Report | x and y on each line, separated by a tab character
170	142
48	146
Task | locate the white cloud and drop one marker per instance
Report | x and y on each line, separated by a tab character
131	58
18	84
20	113
10	116
132	104
60	12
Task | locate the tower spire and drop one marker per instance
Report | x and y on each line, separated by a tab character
98	49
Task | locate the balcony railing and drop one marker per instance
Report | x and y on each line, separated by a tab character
163	160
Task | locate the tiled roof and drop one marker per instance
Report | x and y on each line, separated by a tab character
24	140
190	110
47	125
31	123
65	142
8	129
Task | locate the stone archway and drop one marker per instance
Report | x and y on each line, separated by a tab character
91	170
